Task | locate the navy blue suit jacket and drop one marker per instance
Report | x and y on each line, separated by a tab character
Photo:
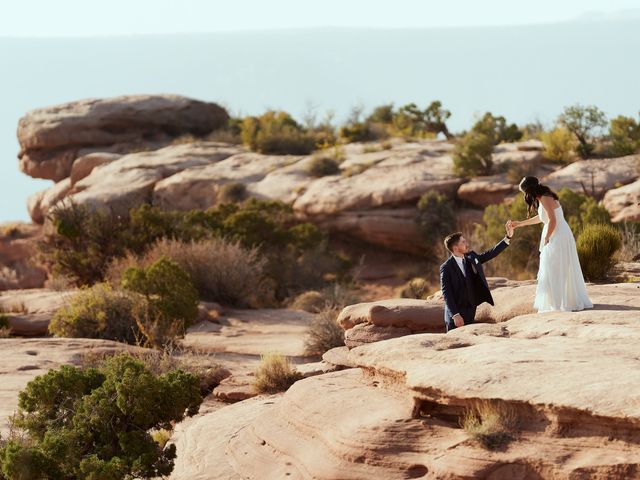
463	294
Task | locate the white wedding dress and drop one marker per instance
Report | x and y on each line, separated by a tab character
560	281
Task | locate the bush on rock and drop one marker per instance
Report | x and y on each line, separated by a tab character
597	246
171	300
97	423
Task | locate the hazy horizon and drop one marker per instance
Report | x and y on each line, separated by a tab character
525	73
78	17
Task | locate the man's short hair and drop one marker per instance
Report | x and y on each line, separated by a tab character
451	240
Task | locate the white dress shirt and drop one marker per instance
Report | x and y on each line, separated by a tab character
459	261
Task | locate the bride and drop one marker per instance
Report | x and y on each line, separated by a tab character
560	282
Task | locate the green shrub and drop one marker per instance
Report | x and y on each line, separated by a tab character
79	242
358	132
559	145
160	362
322	166
472	155
98	312
221	270
97	423
409	121
581	210
270	226
597	246
324	333
5	327
625	135
583	122
436	218
277	133
172	300
232	193
516	170
275	374
381	114
497	129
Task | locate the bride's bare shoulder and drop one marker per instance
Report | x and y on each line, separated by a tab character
549	202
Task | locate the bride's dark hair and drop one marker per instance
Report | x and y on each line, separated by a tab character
532	189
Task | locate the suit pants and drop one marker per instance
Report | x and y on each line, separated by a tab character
468	313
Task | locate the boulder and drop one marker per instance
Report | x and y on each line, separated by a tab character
40	202
84	165
130	180
30	311
415	315
595	177
397	178
18	265
393	228
337	356
52	138
235	389
365	333
623	203
483	191
199	186
527	152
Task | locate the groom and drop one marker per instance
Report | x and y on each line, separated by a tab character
462	280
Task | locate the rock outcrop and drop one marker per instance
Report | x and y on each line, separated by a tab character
52	138
595	177
396	317
563	379
30	311
623	203
18	265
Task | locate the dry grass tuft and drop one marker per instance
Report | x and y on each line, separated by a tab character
275	374
490	424
324	333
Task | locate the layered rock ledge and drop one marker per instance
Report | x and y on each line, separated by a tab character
567	377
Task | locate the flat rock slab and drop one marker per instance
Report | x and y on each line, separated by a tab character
581	361
201	441
30	311
254	332
235	389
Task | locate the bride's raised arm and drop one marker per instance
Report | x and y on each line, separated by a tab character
523	223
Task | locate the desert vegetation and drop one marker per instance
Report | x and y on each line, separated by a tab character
97	422
492	425
275	374
82	244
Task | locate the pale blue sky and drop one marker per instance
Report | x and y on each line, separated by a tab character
122	17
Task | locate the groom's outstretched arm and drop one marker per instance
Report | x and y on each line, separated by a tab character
447	290
493	252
